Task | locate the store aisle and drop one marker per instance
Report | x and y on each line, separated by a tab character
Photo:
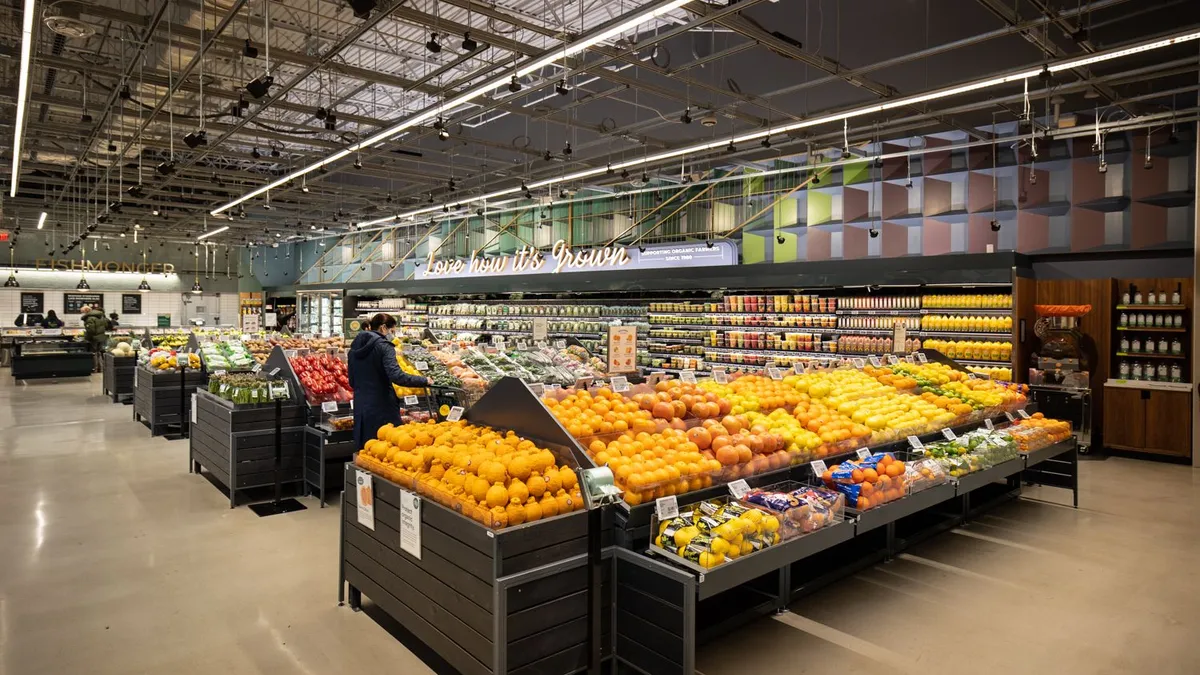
113	559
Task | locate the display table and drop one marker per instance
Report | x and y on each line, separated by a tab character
236	442
162	400
325	450
51	357
118	377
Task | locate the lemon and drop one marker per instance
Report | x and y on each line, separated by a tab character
444	410
720	546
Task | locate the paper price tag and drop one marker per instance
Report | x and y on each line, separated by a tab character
799	368
666	508
987	423
819	468
498	340
410	400
193	408
720	376
619	383
891	358
909	358
1010	416
1024	415
876	362
274	372
456	414
290	353
218	373
916	443
421	366
538	389
859	363
739	488
687	376
329	407
921	358
774	373
257	367
521	344
949	434
410	524
540	344
352	404
863	453
560	344
365	498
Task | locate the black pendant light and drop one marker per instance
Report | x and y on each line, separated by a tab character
83	285
144	287
12	280
196	288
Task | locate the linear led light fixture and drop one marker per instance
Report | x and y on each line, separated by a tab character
210	233
41	220
650	12
826	119
22	94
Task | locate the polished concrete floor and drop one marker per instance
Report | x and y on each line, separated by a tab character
113	559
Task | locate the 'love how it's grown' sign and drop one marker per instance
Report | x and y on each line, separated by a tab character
563	258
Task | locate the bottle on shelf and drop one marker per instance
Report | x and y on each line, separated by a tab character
1136	371
1162	345
1152	297
1176	347
1137	295
1163	373
1162	297
1176	373
1177	295
1159	320
1123	320
1127	296
1124	345
1177	321
1123	370
1135	345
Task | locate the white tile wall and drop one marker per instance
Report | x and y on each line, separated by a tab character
153	304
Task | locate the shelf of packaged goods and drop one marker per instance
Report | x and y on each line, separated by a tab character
744	329
974	481
880	312
664	369
1147	329
581	317
691	314
671	355
964	334
1138	355
967	310
1162	308
772	352
671	340
978	362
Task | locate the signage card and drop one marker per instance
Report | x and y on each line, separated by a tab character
410	523
666	508
365	499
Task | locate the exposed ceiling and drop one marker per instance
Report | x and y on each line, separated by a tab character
120	84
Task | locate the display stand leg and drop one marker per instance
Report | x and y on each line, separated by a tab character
784	592
355	599
342	560
890	545
279	504
595	572
1075	478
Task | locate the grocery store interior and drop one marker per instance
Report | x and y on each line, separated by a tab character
689	336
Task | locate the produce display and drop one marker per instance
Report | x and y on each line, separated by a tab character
324	377
497	479
581	355
260	347
163	360
869	482
981	394
968	301
226	355
245	388
717	531
170	341
801	509
407	367
123	349
973	451
341	423
1038	432
994	372
434	369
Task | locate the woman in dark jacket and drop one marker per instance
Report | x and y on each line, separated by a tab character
373	370
52	320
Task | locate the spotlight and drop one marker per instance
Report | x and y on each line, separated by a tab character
430	197
562	193
908	185
445	208
641	249
708	243
878	162
249	50
433	45
304	185
567	149
528	194
731	147
260	86
450	184
267	206
686	117
135	190
1173	139
468	44
275	152
1103	168
479	212
608	169
82	285
362	8
256	154
154	211
242	214
548	156
995	225
144	287
166	168
321	113
196	288
562	87
624	173
125	94
645	178
358	163
816	179
873	232
86	117
513	85
330	122
1149	164
115	207
196	139
766	142
12	281
443	135
779	238
234	110
102	218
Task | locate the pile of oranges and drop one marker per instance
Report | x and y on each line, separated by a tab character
1038	432
868	483
756	393
498	479
583	413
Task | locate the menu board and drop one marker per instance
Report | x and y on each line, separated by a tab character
622	349
33	303
131	303
74	302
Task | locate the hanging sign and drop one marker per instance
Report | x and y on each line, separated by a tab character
622	349
73	303
540	325
563	258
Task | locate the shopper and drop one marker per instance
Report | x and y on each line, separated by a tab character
28	320
373	370
95	331
52	320
113	321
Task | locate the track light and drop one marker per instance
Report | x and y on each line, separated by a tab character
165	168
12	281
608	169
362	8
469	44
479	212
625	173
321	113
548	156
1148	164
249	50
731	147
641	249
908	185
358	163
255	153
645	177
562	87
708	243
766	142
779	238
562	193
433	46
1103	167
102	218
567	149
260	86
330	122
154	211
995	225
816	179
873	232
116	206
242	214
513	85
125	93
528	194
686	117
445	208
135	190
443	135
196	139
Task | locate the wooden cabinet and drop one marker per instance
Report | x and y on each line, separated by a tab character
1148	420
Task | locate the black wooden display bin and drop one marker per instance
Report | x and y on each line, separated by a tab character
163	400
505	601
236	442
118	377
325	450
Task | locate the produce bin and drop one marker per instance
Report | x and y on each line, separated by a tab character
325	450
236	443
163	400
118	377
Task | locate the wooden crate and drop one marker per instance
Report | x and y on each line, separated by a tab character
161	401
236	443
507	601
118	376
325	452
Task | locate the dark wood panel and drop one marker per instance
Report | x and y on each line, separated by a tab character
1126	426
1168	426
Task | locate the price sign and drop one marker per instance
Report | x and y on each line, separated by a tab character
365	498
193	408
863	453
410	524
720	376
819	468
583	382
498	340
739	488
876	362
538	389
521	344
421	366
774	373
290	353
274	372
257	367
687	376
949	434
560	344
352	404
909	358
1024	415
916	443
218	373
890	358
135	376
619	383
987	423
666	508
921	358
456	414
799	368
552	387
541	344
859	363
1010	416
329	407
410	400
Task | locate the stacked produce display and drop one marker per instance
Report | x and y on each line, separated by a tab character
1038	431
245	388
974	451
323	377
497	479
226	355
164	360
